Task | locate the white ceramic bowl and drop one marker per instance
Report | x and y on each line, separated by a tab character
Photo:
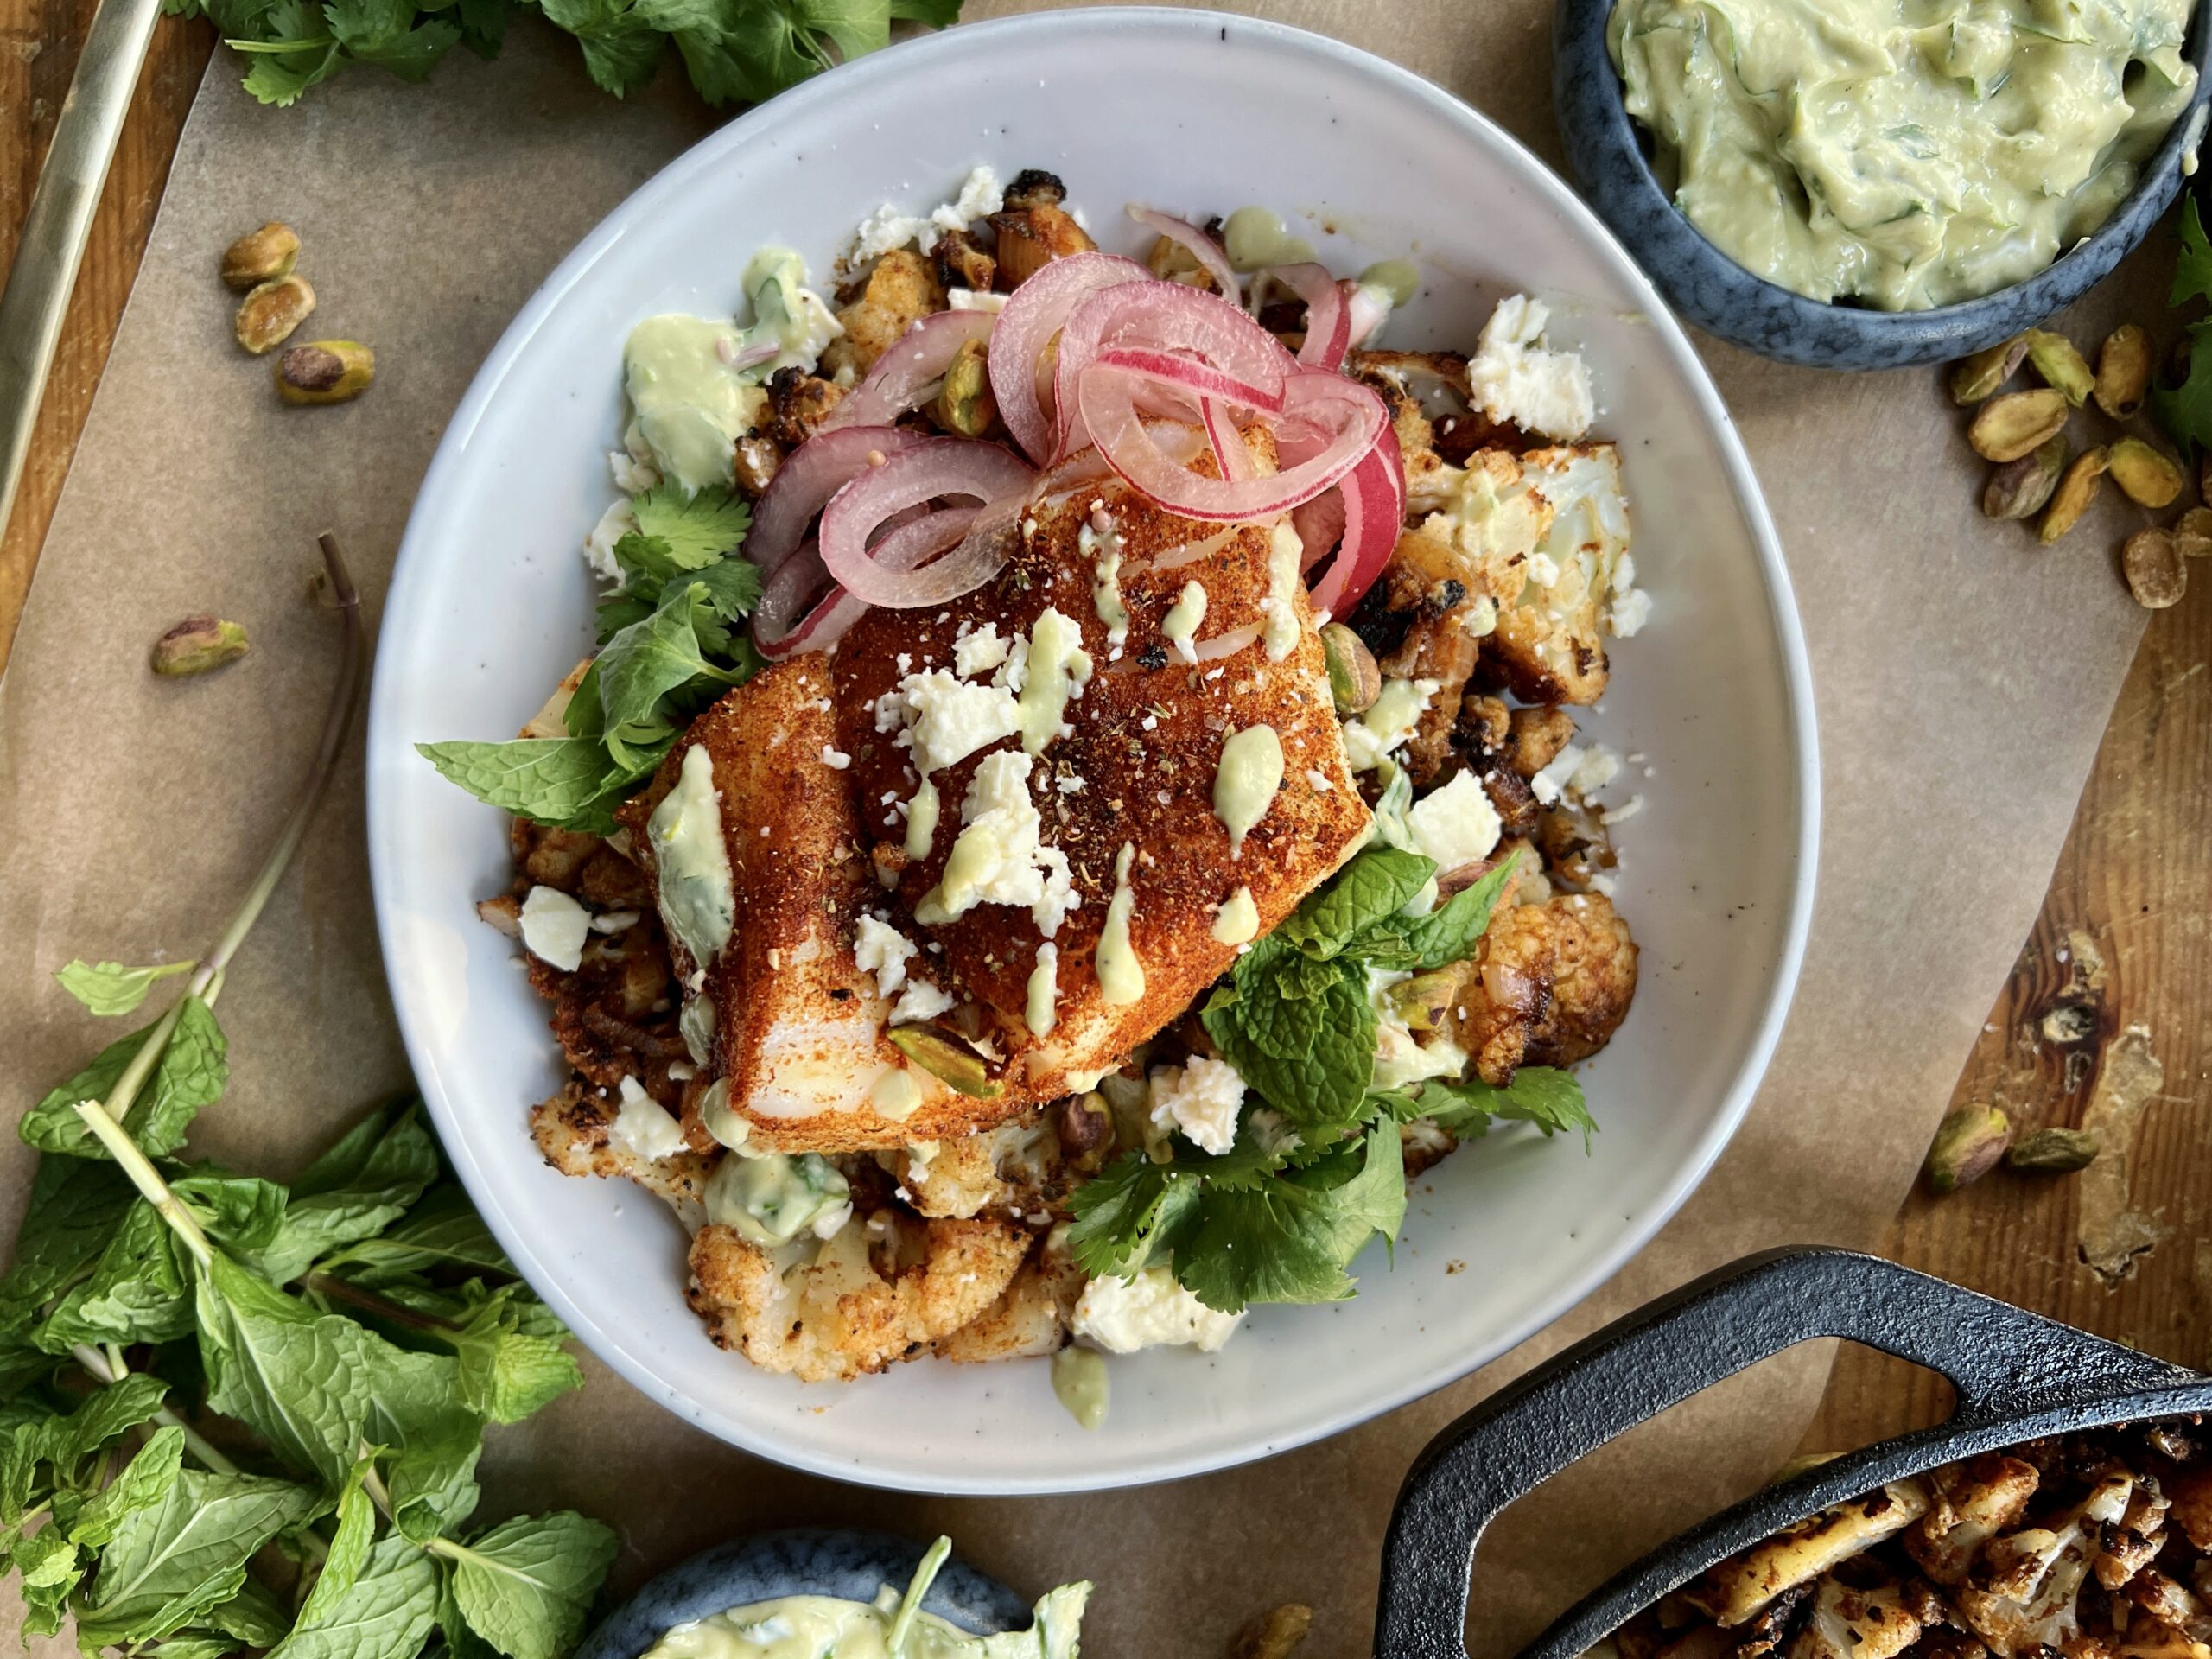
1193	112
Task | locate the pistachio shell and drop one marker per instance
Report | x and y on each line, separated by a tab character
2078	488
2144	473
324	371
2009	427
964	404
2155	573
2123	372
1977	377
2193	535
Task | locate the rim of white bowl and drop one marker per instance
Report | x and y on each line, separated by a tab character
1176	25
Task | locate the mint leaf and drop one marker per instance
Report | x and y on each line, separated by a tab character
251	1616
349	1549
525	1586
242	1211
412	1407
1378	883
1324	1088
354	1190
75	1207
51	1569
693	530
191	1074
384	1611
109	988
172	1560
568	783
443	1232
1450	932
2193	265
1542	1095
506	1372
138	1291
647	661
297	1378
143	1482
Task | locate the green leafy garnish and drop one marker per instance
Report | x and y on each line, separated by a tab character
2185	411
668	646
733	49
109	988
1541	1094
2193	266
354	1335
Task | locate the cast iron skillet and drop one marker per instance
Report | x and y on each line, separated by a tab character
2018	1377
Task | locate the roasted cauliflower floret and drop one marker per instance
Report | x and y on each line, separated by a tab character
1738	1587
1848	1623
854	1309
1030	1319
575	1131
897	293
1551	982
1974	1502
1421	619
1014	1169
797	404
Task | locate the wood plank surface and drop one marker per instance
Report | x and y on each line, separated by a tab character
2124	943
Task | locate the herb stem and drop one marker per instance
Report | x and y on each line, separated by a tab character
345	697
194	1442
324	1284
148	1180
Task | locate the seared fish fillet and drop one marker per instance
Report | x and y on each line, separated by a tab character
815	761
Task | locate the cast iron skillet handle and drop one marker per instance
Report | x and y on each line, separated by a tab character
2002	1361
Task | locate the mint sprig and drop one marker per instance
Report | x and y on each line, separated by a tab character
353	1335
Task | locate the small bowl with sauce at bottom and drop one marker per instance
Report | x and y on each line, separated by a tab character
825	1565
1610	155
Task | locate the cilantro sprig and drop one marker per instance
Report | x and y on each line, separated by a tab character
732	50
2185	409
347	1338
1317	1170
668	645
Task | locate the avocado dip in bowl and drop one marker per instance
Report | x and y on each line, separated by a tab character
1872	183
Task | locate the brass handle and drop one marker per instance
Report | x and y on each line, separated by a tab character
60	219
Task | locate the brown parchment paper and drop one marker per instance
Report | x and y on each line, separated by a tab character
1963	678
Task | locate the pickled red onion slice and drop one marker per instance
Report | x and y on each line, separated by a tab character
902	378
894	575
1027	325
811	475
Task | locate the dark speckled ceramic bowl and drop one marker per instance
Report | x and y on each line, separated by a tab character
851	1564
1606	150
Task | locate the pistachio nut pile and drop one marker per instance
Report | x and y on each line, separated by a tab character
262	265
2037	474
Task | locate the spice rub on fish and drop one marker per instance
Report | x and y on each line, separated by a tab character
978	854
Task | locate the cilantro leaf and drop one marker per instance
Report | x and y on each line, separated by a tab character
108	989
568	783
620	50
525	1586
693	530
1123	1213
2193	265
385	33
938	14
292	49
1545	1095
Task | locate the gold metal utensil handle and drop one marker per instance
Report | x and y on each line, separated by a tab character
61	219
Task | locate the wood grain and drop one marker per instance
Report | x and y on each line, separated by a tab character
2134	882
39	42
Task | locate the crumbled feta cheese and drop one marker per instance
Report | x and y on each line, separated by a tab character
921	1001
1149	1311
1543	570
1599	768
1201	1099
981	195
1514	378
1547	785
1000	857
948	719
644	1128
632	475
618	521
554	927
1628	613
1272	1134
888	228
970	299
836	758
976	652
1455	825
881	949
615	921
1624	812
885	229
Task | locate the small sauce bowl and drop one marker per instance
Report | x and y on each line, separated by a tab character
1612	165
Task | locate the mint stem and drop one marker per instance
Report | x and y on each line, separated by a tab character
148	1180
324	1284
93	1360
